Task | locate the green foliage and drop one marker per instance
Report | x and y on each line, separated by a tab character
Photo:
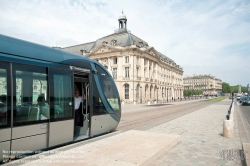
236	88
226	87
192	92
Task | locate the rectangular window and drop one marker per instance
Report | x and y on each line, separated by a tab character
30	102
115	61
4	96
61	94
126	71
98	106
115	73
127	59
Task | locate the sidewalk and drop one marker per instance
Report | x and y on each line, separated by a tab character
202	142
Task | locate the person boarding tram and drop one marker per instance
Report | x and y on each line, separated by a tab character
78	100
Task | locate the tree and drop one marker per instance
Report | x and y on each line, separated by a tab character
236	89
192	92
226	87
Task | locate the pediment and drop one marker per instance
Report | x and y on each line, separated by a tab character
103	49
152	52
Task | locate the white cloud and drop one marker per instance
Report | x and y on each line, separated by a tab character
204	37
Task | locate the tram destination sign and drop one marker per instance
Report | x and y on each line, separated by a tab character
79	69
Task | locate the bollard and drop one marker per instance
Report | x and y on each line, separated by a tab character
122	102
228	124
134	102
148	102
228	128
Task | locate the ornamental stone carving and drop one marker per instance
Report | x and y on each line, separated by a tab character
104	49
152	53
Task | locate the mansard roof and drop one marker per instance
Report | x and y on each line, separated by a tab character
122	38
201	76
76	48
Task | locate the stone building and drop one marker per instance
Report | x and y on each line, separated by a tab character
141	73
207	83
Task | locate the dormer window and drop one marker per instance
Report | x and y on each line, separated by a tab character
141	44
113	42
82	52
104	42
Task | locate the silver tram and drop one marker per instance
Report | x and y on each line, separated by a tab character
37	89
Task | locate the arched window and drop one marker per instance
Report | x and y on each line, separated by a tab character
126	91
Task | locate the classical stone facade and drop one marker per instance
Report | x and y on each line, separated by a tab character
207	83
141	73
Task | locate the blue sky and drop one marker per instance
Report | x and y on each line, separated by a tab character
204	37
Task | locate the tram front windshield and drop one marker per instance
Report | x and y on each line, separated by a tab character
110	91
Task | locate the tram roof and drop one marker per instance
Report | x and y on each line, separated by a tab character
27	49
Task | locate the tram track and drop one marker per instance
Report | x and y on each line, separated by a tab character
146	119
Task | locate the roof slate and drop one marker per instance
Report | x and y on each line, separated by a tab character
123	39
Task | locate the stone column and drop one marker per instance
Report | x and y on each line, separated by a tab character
119	68
142	68
148	69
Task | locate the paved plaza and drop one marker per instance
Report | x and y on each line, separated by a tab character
202	142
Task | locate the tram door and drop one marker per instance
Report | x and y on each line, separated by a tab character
81	87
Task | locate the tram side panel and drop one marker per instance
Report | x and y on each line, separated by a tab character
106	103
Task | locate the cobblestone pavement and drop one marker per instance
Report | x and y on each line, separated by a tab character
202	142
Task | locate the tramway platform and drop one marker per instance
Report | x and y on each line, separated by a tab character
128	148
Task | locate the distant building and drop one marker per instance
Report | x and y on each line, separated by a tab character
207	83
141	73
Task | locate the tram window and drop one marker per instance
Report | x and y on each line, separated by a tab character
31	99
98	106
3	97
109	88
101	71
61	94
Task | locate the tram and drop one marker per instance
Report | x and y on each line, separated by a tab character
37	97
